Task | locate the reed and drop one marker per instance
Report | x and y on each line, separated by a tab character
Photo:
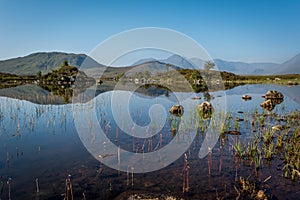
185	184
69	189
279	142
119	159
37	185
1	187
268	151
132	177
127	176
239	149
83	196
221	155
9	189
268	137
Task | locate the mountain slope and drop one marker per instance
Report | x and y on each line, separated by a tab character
291	66
179	61
153	67
241	68
44	62
143	61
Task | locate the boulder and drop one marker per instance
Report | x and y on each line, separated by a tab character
268	105
177	110
246	97
292	83
273	94
205	110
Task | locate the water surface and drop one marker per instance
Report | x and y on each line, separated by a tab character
41	141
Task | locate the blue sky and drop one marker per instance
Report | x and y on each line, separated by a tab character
251	31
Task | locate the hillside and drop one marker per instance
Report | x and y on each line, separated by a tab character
291	66
242	68
44	62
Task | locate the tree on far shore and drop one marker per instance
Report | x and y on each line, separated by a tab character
209	65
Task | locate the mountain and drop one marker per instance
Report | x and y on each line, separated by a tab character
152	66
291	66
199	63
243	68
44	62
141	61
179	61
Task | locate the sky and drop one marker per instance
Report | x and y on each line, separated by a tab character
233	30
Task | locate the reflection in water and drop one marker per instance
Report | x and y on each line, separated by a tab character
40	142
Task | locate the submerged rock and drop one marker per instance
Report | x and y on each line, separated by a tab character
205	110
233	132
177	110
239	119
196	98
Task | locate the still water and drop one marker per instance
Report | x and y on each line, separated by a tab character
40	146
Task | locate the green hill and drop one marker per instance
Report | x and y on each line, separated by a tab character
44	62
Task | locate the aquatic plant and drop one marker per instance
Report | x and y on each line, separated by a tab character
268	151
119	159
239	149
236	125
185	184
69	189
268	137
132	179
37	185
9	189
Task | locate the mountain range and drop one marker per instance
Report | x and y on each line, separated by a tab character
291	66
47	61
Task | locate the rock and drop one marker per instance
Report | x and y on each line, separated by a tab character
261	195
268	105
246	97
292	83
273	94
279	127
273	98
233	133
196	98
177	110
239	119
205	109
